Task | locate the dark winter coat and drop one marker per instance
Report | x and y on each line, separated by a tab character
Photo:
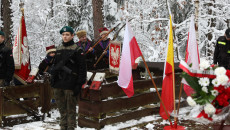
222	52
90	57
6	63
99	49
45	64
70	56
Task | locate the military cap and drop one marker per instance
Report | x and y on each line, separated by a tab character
66	29
227	33
2	33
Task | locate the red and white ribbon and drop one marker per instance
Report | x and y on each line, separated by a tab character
196	73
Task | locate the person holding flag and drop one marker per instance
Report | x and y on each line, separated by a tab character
100	50
86	45
6	62
45	65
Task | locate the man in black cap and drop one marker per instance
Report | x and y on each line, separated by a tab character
68	75
6	62
222	50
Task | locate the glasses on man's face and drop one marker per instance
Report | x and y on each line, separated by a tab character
52	52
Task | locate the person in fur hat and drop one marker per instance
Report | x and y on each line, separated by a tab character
48	61
86	45
100	49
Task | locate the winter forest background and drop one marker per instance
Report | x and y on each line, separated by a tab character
44	19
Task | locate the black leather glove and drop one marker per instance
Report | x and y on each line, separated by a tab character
6	83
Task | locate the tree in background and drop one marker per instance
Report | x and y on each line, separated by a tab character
44	19
7	21
214	19
86	17
98	19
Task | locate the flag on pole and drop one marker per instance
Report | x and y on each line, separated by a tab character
168	78
114	56
130	52
192	54
21	53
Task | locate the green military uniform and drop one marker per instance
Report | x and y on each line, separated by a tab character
68	76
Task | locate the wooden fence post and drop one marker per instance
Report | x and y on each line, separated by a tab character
1	105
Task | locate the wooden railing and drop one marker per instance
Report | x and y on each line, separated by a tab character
16	101
110	105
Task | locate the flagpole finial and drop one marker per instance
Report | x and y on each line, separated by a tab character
22	7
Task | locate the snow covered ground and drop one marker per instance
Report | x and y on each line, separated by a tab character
52	124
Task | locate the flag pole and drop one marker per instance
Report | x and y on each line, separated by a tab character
178	107
156	90
101	55
174	96
103	37
21	8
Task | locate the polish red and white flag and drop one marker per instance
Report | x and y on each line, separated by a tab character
21	54
192	54
130	52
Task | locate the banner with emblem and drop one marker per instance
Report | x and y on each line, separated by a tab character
114	56
21	53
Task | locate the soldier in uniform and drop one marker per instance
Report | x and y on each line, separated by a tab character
68	76
100	49
222	50
86	45
6	62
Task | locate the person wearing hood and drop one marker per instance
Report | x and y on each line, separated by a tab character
45	65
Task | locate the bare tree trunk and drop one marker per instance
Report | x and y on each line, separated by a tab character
228	23
98	18
51	7
7	21
210	35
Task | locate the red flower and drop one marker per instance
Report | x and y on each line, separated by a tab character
212	65
228	73
220	89
222	100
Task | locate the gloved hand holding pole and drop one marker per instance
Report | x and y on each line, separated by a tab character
103	37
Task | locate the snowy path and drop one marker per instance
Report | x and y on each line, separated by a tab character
149	122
